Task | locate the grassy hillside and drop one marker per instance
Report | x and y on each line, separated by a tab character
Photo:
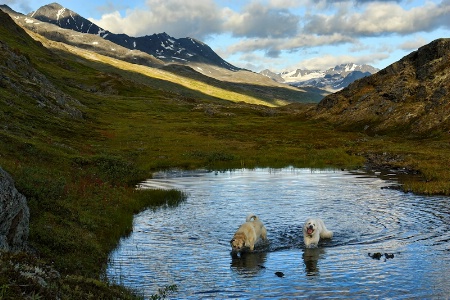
79	130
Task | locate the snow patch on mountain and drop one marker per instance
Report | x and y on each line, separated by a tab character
166	48
332	79
60	13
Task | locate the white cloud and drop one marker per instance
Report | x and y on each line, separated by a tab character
110	7
381	18
276	46
287	4
258	20
23	5
279	24
413	44
326	61
178	18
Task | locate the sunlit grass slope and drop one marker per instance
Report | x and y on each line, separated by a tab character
186	81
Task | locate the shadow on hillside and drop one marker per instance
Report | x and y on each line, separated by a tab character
265	92
271	95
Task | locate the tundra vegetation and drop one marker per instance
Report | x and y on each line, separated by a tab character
108	124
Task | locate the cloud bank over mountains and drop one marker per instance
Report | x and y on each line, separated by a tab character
275	20
252	34
272	27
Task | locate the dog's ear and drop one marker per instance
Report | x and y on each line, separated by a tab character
232	240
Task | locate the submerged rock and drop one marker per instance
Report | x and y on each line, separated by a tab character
14	215
279	274
378	255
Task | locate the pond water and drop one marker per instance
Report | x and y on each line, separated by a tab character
386	244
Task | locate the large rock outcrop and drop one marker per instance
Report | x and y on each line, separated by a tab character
14	215
411	96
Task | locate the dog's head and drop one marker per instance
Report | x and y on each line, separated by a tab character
310	227
237	243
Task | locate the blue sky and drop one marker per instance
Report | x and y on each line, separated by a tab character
278	35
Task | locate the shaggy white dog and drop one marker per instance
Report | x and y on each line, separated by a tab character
248	235
313	231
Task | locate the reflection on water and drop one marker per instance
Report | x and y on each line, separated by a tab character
311	257
249	263
189	246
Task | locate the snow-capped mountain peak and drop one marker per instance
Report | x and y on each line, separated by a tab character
332	79
162	46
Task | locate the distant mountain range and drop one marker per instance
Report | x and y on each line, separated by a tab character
161	46
57	23
333	79
203	66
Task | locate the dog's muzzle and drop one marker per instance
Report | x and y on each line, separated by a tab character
309	229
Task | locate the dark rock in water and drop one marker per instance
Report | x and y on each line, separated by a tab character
279	274
376	255
388	256
14	215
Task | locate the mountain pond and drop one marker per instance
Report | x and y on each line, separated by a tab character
386	244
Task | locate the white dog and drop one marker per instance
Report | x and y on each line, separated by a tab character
248	235
313	231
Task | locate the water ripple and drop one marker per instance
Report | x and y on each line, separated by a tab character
387	244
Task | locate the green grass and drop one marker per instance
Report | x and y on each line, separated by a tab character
79	175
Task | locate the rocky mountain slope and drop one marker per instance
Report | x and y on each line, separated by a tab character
19	79
332	79
162	46
411	95
85	41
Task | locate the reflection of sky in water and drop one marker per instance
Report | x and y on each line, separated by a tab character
189	245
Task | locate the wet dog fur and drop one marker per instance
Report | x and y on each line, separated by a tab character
314	229
248	235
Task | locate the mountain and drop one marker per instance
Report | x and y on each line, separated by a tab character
332	79
410	96
85	41
194	66
272	75
162	46
213	80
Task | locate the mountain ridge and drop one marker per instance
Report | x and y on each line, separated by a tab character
332	79
82	40
162	46
240	80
